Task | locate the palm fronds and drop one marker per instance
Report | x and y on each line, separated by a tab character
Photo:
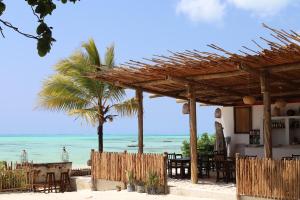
71	91
127	108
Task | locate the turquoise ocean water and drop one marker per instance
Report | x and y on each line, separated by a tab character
48	148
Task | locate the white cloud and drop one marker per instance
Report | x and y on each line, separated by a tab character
262	8
202	10
211	11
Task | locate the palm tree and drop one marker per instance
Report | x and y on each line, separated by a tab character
72	91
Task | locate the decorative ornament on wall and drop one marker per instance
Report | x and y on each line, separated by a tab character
276	112
185	108
218	113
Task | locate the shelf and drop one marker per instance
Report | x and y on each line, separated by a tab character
286	117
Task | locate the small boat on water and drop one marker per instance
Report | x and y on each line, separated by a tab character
133	145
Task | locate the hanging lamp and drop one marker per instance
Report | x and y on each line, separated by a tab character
248	99
280	103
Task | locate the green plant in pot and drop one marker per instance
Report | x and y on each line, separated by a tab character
140	187
118	188
130	179
152	183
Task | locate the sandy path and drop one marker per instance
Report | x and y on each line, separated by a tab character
89	195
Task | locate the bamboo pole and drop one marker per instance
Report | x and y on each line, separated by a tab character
193	135
265	90
139	97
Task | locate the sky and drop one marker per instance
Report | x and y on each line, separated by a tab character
139	29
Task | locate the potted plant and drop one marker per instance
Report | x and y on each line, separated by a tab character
140	186
118	188
130	179
152	183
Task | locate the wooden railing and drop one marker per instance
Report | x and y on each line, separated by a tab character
266	178
113	166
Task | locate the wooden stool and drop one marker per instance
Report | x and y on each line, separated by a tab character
64	181
50	182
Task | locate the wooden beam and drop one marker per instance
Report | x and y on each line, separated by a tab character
173	94
205	85
152	82
217	75
265	90
193	135
167	94
283	68
152	96
272	77
139	98
271	69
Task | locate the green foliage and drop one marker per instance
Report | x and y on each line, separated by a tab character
2	7
205	144
40	9
72	91
130	177
2	165
152	180
12	179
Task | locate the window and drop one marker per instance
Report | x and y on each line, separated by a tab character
242	120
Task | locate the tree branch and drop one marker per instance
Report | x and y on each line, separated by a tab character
8	24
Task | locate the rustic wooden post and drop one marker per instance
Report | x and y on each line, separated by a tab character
193	135
93	172
124	168
165	158
237	176
265	90
139	97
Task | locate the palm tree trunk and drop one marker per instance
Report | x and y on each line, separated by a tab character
100	137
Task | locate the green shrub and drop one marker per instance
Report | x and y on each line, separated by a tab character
205	144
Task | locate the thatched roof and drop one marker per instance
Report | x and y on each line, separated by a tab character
219	79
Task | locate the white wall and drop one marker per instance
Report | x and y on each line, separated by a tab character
239	141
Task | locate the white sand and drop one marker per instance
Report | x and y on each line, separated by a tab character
89	195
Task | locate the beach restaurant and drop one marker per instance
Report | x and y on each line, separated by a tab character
258	91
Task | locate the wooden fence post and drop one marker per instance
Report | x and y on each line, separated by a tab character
124	168
165	173
93	172
237	172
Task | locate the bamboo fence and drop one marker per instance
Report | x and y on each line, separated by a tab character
16	178
267	178
113	166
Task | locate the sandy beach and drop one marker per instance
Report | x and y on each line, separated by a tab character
89	195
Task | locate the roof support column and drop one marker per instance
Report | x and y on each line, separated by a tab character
139	98
265	90
193	135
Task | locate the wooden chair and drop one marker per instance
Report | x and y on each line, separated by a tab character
230	170
203	166
65	182
219	161
178	155
287	158
250	156
50	182
171	165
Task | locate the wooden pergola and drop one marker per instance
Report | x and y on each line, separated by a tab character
222	78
